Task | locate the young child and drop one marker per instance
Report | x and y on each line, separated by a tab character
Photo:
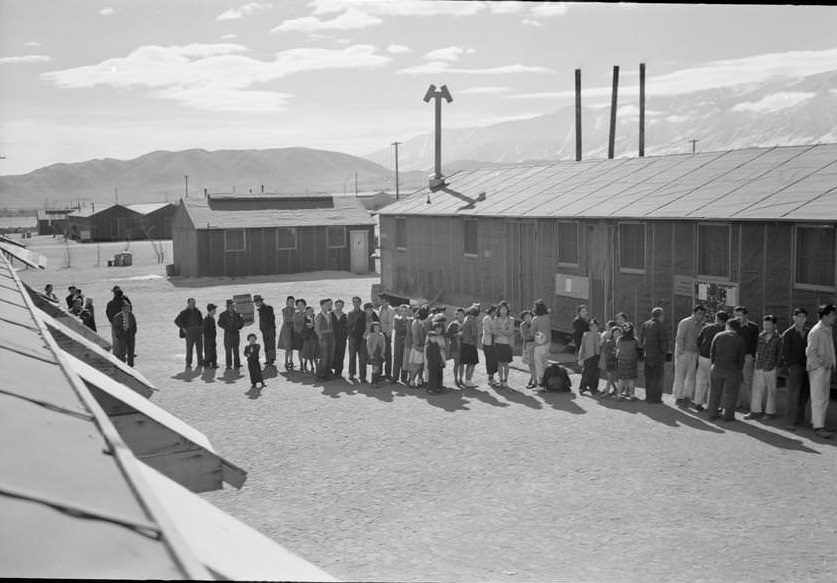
626	357
453	335
251	353
434	357
375	346
607	360
588	359
308	354
528	343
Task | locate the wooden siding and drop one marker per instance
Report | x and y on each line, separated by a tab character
433	262
201	253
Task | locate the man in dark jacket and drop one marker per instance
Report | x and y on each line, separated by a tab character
267	324
210	354
794	343
653	337
727	355
581	324
114	307
231	322
356	328
125	332
72	296
190	323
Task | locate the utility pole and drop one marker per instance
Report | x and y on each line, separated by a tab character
187	185
613	100
115	195
397	191
355	184
642	110
693	142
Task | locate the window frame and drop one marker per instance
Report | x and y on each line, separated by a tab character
296	239
635	270
227	247
400	221
558	228
475	225
706	276
328	239
795	259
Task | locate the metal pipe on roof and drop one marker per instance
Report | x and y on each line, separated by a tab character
578	115
642	110
613	98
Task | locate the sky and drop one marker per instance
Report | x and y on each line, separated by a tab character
84	79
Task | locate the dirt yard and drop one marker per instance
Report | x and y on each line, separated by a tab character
482	485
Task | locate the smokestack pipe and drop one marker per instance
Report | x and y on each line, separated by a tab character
613	98
578	115
642	110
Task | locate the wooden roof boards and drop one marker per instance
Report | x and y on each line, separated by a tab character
344	211
771	184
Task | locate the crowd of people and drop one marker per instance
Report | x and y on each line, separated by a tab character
721	366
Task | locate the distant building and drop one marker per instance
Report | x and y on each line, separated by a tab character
373	200
53	221
121	223
753	227
265	234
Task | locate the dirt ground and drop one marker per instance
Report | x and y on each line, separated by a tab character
481	485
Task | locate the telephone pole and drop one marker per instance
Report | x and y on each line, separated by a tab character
187	185
693	142
397	191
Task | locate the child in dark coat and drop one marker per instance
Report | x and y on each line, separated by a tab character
251	353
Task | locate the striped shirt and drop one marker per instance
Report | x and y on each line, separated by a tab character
769	351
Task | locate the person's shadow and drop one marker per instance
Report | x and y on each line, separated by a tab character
208	375
483	395
231	375
187	374
254	392
768	437
562	401
519	397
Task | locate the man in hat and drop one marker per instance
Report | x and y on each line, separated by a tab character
190	323
356	328
125	332
114	307
794	344
210	354
267	324
231	322
727	355
750	333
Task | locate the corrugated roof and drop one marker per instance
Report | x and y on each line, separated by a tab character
145	208
792	183
69	503
346	211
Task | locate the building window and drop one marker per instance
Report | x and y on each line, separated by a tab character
568	243
286	238
632	246
400	233
335	237
713	250
815	256
469	236
234	240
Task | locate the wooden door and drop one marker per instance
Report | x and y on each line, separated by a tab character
359	253
521	273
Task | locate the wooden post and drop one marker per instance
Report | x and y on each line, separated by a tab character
397	186
613	99
641	110
578	115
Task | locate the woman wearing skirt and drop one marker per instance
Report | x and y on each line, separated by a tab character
286	333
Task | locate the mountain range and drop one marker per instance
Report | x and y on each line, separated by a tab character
160	175
774	112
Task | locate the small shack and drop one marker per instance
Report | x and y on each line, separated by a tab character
53	221
265	234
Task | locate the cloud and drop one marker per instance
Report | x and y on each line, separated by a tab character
449	54
24	59
399	7
505	7
718	74
229	36
107	11
548	9
774	102
213	77
434	67
32	44
530	22
399	49
348	20
490	90
242	11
